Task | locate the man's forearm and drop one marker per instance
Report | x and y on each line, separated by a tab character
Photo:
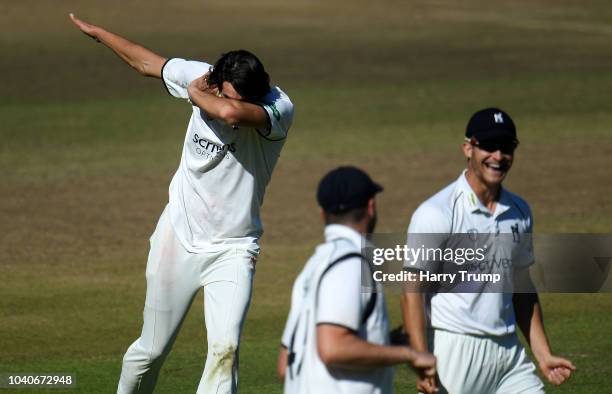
529	318
361	354
538	339
214	106
138	57
230	111
281	363
350	351
414	323
414	320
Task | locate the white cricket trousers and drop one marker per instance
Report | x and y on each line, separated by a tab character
174	276
469	364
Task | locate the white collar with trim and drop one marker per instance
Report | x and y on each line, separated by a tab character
473	204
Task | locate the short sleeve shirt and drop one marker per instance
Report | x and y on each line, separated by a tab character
457	210
341	302
218	189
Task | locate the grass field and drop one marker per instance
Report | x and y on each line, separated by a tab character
88	149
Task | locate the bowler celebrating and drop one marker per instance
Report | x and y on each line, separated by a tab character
207	236
473	334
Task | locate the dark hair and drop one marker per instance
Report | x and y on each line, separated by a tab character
346	217
244	71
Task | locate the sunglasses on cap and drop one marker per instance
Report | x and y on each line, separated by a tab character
506	147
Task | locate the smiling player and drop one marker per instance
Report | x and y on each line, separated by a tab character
473	335
207	236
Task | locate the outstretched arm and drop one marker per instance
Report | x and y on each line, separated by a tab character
136	56
529	318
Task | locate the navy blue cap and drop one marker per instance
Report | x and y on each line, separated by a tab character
491	124
346	188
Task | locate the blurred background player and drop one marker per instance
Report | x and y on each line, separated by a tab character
336	339
207	236
474	334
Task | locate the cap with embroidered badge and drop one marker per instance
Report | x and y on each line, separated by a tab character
491	124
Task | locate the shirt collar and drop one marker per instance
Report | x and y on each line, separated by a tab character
473	204
336	231
504	203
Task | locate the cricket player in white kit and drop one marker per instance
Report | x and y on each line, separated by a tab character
207	236
474	334
336	339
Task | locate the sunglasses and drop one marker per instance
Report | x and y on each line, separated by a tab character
506	147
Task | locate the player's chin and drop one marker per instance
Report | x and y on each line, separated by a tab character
494	176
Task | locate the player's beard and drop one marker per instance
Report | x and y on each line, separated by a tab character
372	223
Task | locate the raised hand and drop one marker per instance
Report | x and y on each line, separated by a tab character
202	84
86	28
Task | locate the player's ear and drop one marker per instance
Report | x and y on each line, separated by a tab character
467	149
322	212
371	207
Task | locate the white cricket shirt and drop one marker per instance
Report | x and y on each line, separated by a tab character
456	209
335	297
218	189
